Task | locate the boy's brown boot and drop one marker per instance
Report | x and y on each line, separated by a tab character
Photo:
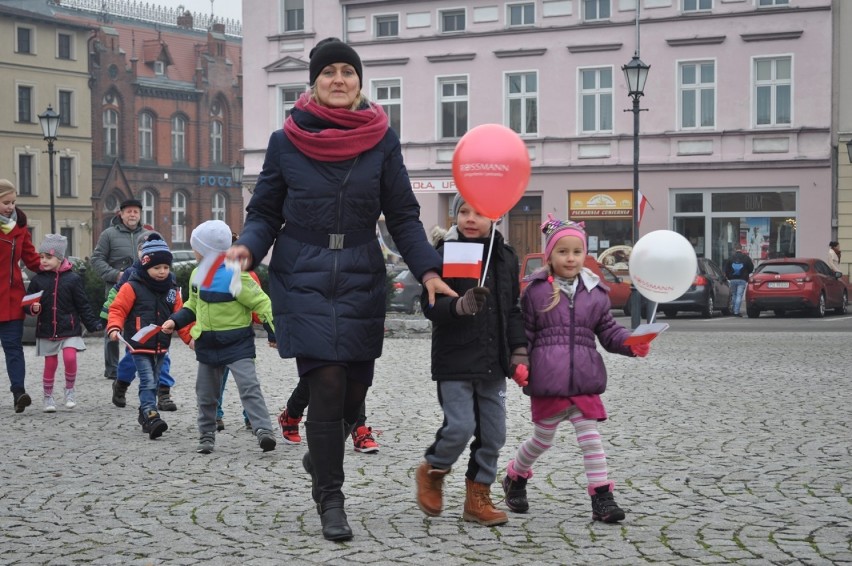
478	506
430	489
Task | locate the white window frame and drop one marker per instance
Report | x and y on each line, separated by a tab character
771	3
597	15
67	119
773	83
284	104
159	68
379	19
452	11
523	96
178	214
219	208
146	136
149	204
440	82
32	113
284	9
522	6
693	6
110	129
217	128
72	51
33	40
33	185
597	92
72	178
178	138
388	84
698	87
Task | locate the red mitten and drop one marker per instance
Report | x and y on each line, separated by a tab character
640	350
521	375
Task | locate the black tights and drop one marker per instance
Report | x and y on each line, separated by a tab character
333	396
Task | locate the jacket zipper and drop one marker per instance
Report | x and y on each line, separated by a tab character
55	300
335	263
572	338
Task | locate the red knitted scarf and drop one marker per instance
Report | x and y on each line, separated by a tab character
356	131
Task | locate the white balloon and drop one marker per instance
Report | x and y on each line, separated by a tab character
662	265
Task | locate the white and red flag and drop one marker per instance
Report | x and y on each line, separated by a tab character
31	299
146	333
643	202
463	259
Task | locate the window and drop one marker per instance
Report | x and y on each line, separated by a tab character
65	107
25	175
773	86
596	10
389	95
220	207
293	15
452	95
159	68
522	102
25	40
149	201
63	46
767	3
178	217
25	104
452	20
698	95
215	142
387	26
110	133
146	136
596	100
697	5
68	232
66	168
520	14
289	96
178	139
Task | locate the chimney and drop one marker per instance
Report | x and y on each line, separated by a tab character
219	27
185	21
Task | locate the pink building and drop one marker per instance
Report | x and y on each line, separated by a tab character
735	143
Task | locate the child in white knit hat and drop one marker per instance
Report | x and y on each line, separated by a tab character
61	308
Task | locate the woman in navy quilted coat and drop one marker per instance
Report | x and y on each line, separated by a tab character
327	177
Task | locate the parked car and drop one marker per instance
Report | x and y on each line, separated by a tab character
183	258
406	293
787	284
710	291
619	290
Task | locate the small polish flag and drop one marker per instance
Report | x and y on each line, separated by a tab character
463	259
207	270
146	333
643	202
31	299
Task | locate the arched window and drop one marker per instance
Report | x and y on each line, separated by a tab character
178	139
110	133
178	218
220	207
146	136
215	142
149	202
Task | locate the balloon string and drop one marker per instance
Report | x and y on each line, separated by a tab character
488	257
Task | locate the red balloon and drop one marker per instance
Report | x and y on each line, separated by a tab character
491	168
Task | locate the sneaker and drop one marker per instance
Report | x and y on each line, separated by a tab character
70	402
363	439
49	404
206	443
266	439
604	507
220	425
22	401
289	428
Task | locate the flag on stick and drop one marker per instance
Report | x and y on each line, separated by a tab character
146	333
31	299
463	259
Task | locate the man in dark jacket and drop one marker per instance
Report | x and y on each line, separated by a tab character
737	268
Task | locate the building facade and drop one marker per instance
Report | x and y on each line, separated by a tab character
736	143
45	65
842	105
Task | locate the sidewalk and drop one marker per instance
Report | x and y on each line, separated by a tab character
714	462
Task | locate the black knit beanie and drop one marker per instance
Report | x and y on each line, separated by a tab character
329	51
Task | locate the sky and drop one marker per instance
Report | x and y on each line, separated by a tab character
221	8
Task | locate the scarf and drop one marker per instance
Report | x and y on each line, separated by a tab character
160	287
7	223
344	134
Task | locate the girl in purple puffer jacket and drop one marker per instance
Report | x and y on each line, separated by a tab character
565	307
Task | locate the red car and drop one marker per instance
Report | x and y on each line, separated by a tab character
795	283
619	291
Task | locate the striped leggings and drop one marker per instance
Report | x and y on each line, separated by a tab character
594	458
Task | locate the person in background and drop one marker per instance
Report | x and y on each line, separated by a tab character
16	245
61	309
834	254
115	252
565	308
331	171
737	269
477	339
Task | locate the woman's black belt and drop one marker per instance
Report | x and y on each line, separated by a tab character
331	241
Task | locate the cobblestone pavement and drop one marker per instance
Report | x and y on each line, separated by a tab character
725	448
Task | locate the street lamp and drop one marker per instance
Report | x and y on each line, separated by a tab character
49	124
237	171
636	73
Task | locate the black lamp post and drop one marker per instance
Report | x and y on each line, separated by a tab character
636	73
49	124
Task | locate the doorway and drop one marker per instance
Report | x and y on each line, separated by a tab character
524	226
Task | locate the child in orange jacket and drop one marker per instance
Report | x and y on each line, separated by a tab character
149	297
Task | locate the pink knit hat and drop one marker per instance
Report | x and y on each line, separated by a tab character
553	229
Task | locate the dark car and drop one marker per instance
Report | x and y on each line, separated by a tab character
710	291
787	284
405	296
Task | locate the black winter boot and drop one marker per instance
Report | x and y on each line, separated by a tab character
164	399
309	467
516	494
119	390
325	463
152	423
604	507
